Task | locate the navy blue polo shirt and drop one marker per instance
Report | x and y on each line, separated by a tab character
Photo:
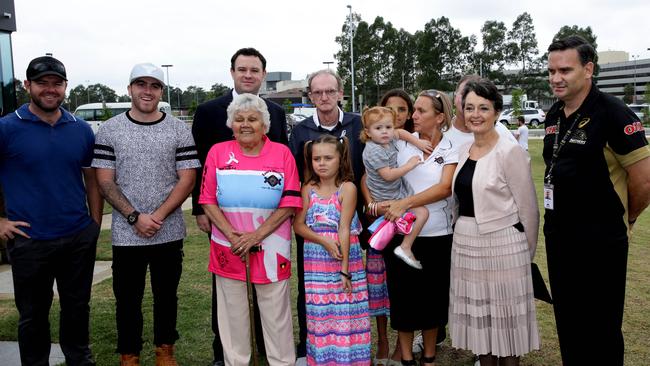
41	172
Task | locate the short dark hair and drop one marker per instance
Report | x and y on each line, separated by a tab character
249	51
586	51
521	119
486	89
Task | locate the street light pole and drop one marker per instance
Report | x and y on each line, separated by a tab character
351	29
168	86
328	63
634	57
88	91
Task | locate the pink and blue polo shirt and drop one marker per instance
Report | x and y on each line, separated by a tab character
248	189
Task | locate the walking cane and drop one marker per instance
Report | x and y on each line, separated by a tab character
251	313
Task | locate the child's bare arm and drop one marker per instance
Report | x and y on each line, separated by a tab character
348	206
423	145
390	174
301	228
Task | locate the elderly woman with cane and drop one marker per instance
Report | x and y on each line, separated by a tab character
250	191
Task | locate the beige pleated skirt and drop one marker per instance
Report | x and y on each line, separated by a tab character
492	307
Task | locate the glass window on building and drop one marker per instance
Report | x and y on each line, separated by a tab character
7	89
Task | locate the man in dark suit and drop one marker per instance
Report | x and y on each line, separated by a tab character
248	70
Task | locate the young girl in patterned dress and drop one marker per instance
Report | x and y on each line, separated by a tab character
336	294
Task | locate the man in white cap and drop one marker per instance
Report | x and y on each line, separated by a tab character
146	163
49	187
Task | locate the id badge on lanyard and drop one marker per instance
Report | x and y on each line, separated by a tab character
548	196
557	146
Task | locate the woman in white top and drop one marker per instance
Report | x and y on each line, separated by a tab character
419	298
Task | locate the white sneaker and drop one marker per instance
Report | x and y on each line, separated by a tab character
301	361
418	343
401	254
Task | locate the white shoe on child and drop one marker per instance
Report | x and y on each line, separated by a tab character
401	254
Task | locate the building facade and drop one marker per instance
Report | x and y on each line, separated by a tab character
7	87
614	76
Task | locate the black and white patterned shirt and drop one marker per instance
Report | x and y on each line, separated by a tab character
146	158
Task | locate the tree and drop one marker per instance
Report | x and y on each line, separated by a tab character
517	96
288	108
101	93
21	93
494	46
628	91
586	33
193	94
443	54
522	41
91	94
217	90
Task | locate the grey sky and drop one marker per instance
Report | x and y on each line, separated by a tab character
99	41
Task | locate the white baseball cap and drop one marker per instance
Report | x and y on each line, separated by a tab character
147	70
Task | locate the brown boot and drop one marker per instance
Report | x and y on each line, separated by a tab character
129	360
165	355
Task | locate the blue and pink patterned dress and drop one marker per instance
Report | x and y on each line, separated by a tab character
338	324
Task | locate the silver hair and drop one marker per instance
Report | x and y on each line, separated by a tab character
339	81
249	102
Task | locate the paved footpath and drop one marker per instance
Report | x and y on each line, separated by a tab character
9	355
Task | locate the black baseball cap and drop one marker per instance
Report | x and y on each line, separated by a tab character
45	65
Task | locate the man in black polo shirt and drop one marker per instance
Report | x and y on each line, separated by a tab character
597	182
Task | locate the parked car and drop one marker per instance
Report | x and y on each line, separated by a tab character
532	117
292	120
504	117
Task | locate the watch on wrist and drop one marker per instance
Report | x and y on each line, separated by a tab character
132	218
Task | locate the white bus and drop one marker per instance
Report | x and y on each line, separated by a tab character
94	113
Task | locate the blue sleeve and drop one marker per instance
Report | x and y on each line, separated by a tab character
89	138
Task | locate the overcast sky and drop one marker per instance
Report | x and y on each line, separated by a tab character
99	41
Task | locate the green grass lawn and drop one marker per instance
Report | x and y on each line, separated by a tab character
194	346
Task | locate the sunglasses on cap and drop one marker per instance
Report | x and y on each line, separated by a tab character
43	66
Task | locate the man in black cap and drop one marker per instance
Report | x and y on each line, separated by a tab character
45	156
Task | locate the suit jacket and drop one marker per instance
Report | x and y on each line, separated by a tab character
209	127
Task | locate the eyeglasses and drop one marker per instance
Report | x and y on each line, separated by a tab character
435	95
320	93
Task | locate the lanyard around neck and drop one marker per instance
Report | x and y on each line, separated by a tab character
557	147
